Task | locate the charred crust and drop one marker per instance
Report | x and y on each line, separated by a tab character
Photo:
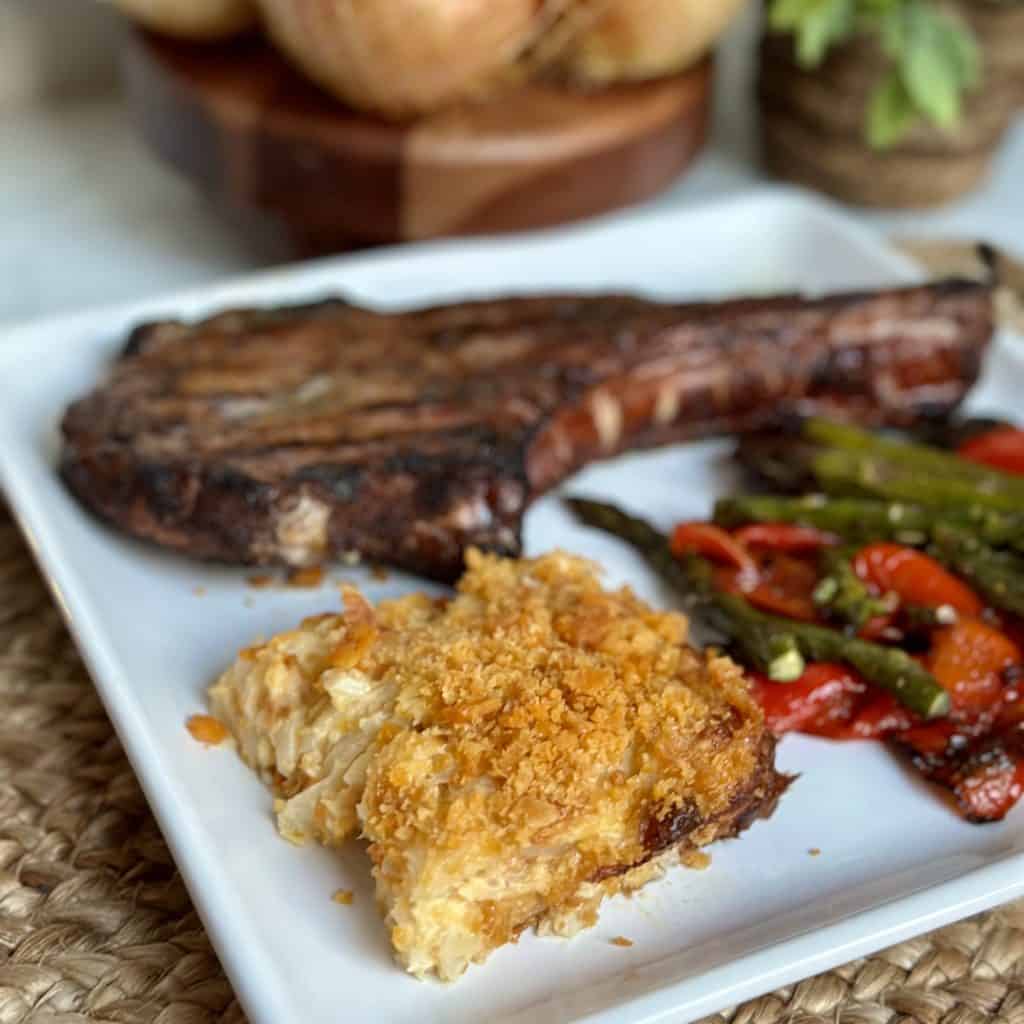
170	490
340	482
138	338
757	798
673	828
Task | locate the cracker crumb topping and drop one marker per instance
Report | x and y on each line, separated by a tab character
512	755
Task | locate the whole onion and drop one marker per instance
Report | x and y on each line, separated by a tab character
401	57
636	39
191	19
405	57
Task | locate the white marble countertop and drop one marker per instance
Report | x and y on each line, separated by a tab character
88	216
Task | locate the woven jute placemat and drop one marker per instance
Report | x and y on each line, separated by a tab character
96	925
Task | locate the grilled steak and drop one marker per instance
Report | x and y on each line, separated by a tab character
299	434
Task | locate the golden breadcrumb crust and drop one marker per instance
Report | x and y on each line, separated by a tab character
512	756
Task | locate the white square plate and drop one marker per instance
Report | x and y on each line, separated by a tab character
894	860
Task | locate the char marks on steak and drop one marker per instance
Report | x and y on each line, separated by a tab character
295	435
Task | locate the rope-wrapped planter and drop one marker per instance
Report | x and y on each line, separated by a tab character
812	120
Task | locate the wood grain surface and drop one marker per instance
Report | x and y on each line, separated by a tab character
258	138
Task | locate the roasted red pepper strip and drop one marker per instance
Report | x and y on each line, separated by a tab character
773	578
829	700
1002	448
991	780
984	769
880	716
785	586
779	584
785	537
824	695
969	659
714	544
914	577
978	752
877	628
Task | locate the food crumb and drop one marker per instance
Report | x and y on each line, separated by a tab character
621	940
696	860
248	602
206	729
260	581
199	591
310	577
379	572
814	851
344	897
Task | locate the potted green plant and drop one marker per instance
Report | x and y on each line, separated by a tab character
889	102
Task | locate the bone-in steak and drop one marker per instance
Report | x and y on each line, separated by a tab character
300	434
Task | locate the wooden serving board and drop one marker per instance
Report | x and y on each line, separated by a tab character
256	136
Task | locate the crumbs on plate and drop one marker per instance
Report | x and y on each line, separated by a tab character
696	860
814	851
207	729
199	591
344	897
312	576
621	940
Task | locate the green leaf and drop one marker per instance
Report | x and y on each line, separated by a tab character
962	51
786	15
890	112
892	32
816	25
934	56
932	82
812	41
930	68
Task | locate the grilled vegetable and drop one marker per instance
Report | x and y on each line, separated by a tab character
771	650
1002	448
752	631
713	543
998	575
785	537
969	659
939	569
869	519
922	459
850	473
830	700
914	577
843	595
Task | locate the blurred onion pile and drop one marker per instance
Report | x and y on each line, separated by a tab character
405	57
